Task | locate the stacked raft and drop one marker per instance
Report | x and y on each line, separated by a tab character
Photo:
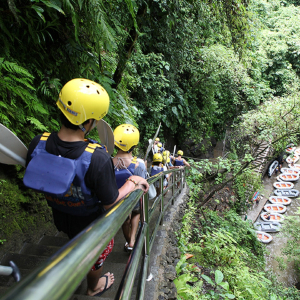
272	215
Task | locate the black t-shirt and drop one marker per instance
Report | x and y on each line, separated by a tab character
100	177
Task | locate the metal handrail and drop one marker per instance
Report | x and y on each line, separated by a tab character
58	277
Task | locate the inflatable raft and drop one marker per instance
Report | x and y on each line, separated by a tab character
272	167
290	171
297	152
291	159
295	167
274	217
290	149
267	226
280	200
283	185
278	208
287	192
289	177
264	237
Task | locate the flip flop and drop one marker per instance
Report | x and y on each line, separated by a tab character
105	287
127	248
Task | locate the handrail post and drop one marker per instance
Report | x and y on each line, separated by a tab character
173	187
145	270
181	179
145	220
184	173
162	198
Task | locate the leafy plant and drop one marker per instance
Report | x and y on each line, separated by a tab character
221	288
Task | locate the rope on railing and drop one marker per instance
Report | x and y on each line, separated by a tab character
58	277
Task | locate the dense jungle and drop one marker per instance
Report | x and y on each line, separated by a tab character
207	70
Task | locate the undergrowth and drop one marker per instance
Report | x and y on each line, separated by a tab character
20	209
222	258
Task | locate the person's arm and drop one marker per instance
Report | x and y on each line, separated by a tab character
133	183
101	179
186	163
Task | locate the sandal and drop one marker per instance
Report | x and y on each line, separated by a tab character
105	287
127	248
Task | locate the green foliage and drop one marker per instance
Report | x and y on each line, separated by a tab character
19	210
221	288
291	231
245	185
229	248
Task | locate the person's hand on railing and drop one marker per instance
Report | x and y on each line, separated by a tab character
140	183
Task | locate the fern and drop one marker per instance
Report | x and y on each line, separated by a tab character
38	125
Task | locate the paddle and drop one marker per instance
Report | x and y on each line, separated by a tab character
174	151
151	143
12	150
106	136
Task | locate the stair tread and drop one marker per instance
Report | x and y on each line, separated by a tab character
61	234
24	261
9	280
86	297
57	241
39	250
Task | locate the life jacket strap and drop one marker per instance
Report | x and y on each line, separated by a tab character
92	147
45	136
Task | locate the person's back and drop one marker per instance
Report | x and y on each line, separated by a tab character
179	161
126	139
79	175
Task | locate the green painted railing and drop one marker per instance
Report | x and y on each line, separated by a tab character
58	277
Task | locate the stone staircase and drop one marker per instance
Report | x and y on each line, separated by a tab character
31	256
261	160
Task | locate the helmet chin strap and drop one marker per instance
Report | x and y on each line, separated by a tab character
87	132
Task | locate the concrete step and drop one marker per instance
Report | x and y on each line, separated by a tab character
3	290
39	250
9	280
56	241
23	261
61	234
85	297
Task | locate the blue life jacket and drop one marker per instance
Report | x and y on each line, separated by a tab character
61	179
178	163
123	174
153	172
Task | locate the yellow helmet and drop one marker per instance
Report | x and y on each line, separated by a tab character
82	99
180	152
159	145
157	139
157	157
126	136
166	156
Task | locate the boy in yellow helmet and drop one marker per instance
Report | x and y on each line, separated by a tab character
154	146
179	161
82	103
126	138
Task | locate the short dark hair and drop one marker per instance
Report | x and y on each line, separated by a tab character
64	121
130	150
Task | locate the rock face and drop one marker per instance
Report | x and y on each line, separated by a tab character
165	254
169	259
203	150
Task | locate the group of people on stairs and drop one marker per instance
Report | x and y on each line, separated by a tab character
80	180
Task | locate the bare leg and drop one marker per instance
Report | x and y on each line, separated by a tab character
97	284
127	230
135	218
